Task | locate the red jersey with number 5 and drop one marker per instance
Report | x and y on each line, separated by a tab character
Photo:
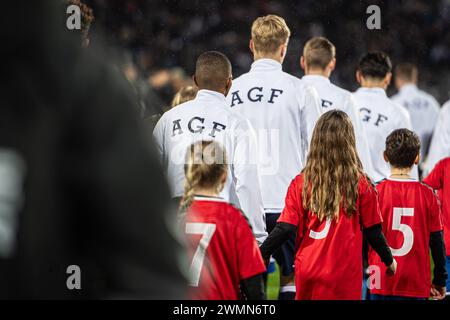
328	262
223	249
439	179
410	212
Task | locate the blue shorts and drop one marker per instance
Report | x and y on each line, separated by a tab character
285	255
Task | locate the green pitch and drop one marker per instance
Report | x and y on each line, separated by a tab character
273	284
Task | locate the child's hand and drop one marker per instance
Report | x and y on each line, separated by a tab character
437	292
392	269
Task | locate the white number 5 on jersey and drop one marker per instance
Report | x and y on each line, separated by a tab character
318	235
406	230
207	231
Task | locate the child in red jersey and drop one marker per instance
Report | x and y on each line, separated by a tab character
225	255
412	225
439	179
330	204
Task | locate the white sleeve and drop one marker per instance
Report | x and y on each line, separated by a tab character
440	143
405	122
246	179
362	144
158	138
310	113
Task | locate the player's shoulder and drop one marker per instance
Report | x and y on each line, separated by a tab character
446	108
295	81
235	214
399	110
427	190
396	97
445	163
366	185
341	91
178	110
241	80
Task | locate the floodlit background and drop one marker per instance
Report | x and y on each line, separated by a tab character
162	38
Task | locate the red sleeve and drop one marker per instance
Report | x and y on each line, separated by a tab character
436	177
250	261
293	208
435	216
369	208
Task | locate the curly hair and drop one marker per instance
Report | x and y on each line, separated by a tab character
402	148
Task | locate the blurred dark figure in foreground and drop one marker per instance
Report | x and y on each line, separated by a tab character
79	186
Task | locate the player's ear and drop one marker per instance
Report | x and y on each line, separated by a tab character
332	64
228	85
388	78
283	50
302	63
358	77
417	160
385	157
251	46
195	80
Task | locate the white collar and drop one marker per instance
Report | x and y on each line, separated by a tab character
206	198
316	78
409	87
377	91
402	180
266	65
210	95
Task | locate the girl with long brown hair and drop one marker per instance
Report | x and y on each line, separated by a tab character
330	204
225	255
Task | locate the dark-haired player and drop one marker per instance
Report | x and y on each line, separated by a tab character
412	225
422	106
439	179
379	114
208	117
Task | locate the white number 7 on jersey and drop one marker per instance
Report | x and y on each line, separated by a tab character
408	233
207	231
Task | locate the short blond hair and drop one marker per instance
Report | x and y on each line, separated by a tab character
269	33
318	53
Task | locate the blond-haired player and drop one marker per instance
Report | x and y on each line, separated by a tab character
318	62
283	111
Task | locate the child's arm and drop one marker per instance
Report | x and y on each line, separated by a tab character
253	288
277	237
437	247
377	241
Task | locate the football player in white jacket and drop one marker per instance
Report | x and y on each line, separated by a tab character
422	106
208	117
283	111
379	114
440	144
318	62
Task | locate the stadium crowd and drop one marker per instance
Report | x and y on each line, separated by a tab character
162	38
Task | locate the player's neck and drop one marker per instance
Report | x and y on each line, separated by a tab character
373	84
258	56
206	193
401	173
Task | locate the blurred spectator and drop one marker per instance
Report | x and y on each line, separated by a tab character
80	185
183	95
170	34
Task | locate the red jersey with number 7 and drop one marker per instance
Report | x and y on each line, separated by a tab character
439	179
328	262
223	250
411	213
